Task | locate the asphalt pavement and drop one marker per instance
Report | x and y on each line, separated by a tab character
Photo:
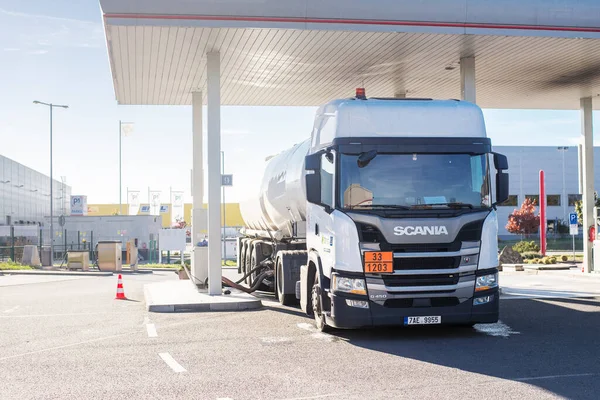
69	339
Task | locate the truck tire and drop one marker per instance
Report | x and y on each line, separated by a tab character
284	299
316	306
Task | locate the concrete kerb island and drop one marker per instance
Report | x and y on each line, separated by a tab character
182	296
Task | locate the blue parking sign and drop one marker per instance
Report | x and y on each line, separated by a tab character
572	219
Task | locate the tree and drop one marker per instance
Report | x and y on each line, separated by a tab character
524	221
579	207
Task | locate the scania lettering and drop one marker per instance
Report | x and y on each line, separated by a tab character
386	215
420	230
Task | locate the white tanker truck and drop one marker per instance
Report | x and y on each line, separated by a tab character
385	216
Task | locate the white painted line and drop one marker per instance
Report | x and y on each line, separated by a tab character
535	378
11	309
319	396
175	366
273	340
151	330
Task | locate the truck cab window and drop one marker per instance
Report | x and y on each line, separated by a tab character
327	170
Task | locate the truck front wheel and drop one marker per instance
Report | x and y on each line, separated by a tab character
316	305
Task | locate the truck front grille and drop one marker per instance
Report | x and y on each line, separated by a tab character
426	263
420	280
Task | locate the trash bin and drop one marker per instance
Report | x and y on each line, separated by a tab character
46	256
109	255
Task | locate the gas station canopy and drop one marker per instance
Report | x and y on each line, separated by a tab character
526	54
306	52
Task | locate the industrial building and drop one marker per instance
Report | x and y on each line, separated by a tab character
560	165
25	195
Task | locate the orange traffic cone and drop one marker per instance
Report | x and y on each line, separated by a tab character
120	291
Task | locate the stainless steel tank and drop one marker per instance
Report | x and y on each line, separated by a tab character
280	197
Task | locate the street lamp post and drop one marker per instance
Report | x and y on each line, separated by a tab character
128	126
51	106
562	150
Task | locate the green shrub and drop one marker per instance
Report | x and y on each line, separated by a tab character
535	261
530	255
525	247
564	258
552	260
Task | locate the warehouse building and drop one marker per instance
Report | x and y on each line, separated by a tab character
560	165
25	195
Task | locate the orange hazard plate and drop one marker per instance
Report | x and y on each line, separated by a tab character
379	262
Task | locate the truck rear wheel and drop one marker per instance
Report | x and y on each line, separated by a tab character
316	306
284	299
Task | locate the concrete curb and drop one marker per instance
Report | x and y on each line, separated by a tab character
543	267
180	296
54	273
512	267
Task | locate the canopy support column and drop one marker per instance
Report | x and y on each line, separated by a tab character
214	172
588	179
199	254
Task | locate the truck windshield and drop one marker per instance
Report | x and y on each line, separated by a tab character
415	181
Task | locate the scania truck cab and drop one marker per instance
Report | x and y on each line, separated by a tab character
401	225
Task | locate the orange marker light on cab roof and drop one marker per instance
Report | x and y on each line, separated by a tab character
361	93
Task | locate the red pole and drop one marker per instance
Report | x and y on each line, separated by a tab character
542	214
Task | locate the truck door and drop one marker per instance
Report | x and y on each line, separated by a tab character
324	219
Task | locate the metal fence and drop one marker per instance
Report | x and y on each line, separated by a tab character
13	240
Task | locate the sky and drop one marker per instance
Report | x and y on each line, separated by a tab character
55	51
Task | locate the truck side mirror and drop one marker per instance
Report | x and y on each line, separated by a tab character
312	164
501	187
501	164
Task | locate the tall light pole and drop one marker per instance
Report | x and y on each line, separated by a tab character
127	127
51	106
563	150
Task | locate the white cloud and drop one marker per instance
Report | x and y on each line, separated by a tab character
10	49
38	52
45	31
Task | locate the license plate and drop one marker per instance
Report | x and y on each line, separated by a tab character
379	262
422	320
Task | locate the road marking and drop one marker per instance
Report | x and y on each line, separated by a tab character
11	309
315	332
498	329
68	345
275	340
175	366
319	396
151	329
535	378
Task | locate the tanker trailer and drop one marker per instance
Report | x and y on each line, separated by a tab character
386	216
274	235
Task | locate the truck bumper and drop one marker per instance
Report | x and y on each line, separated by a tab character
344	316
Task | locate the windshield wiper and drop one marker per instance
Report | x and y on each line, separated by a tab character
389	206
450	205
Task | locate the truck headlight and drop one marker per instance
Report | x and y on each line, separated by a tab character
349	285
486	282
